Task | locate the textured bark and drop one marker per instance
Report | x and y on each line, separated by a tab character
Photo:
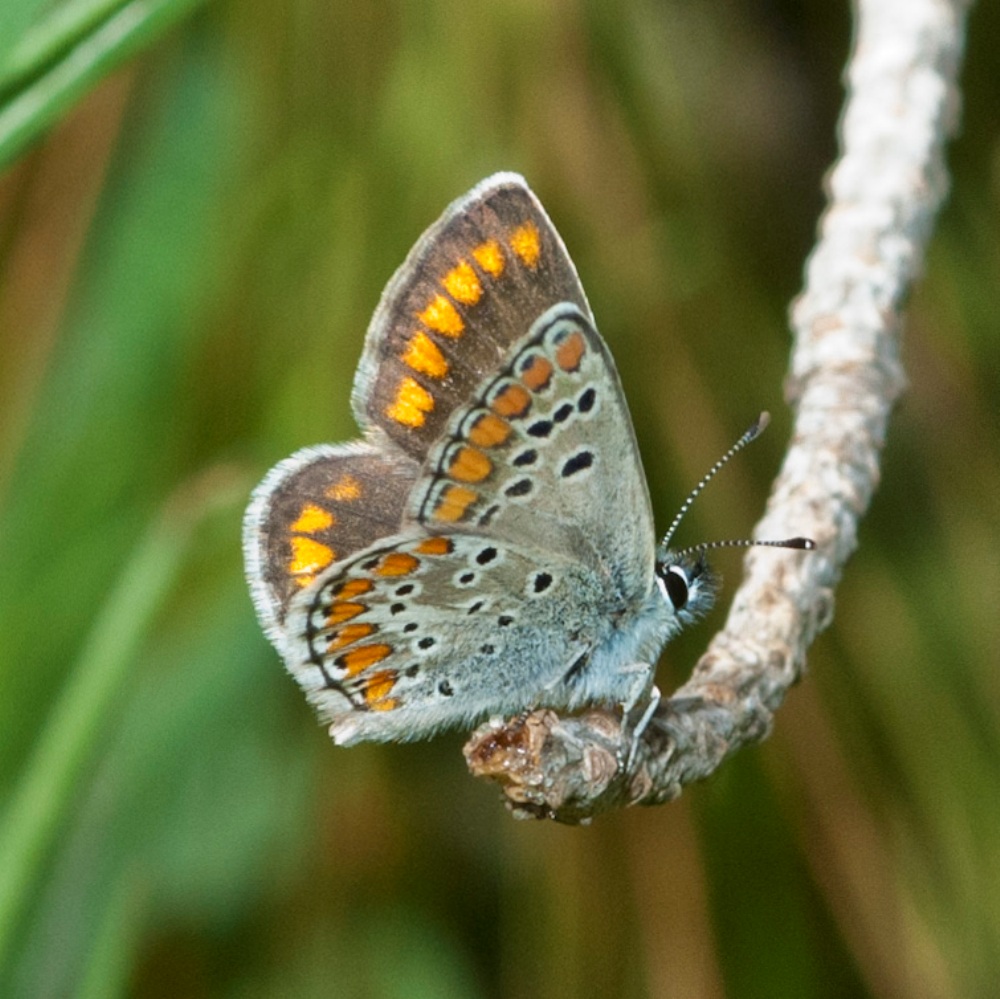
884	193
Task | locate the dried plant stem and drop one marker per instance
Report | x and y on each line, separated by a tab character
884	194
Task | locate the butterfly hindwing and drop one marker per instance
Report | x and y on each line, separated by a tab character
423	631
313	509
473	285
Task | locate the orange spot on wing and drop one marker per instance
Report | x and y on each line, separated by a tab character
570	351
312	519
435	546
489	256
511	401
378	686
343	611
353	588
470	465
345	488
308	556
423	355
526	243
349	634
536	376
442	317
454	502
489	431
462	284
412	404
397	564
362	658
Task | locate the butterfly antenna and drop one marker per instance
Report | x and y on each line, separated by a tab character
750	434
806	544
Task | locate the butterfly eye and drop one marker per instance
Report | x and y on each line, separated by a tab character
676	582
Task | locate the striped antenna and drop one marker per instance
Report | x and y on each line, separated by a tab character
751	434
807	544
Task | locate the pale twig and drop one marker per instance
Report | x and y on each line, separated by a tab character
884	194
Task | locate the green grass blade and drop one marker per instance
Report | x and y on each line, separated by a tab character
45	41
72	733
26	114
108	962
16	18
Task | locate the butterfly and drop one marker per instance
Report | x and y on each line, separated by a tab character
487	547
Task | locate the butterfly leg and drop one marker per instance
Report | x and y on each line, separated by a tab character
644	695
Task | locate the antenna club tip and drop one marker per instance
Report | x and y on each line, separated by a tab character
754	430
806	544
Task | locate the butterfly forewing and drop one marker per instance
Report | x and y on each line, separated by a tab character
473	285
545	456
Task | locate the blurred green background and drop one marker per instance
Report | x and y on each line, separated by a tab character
188	262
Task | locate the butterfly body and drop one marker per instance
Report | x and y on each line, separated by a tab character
489	547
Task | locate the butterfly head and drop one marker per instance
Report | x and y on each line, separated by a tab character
686	582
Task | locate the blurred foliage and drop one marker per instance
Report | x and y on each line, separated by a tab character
188	261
